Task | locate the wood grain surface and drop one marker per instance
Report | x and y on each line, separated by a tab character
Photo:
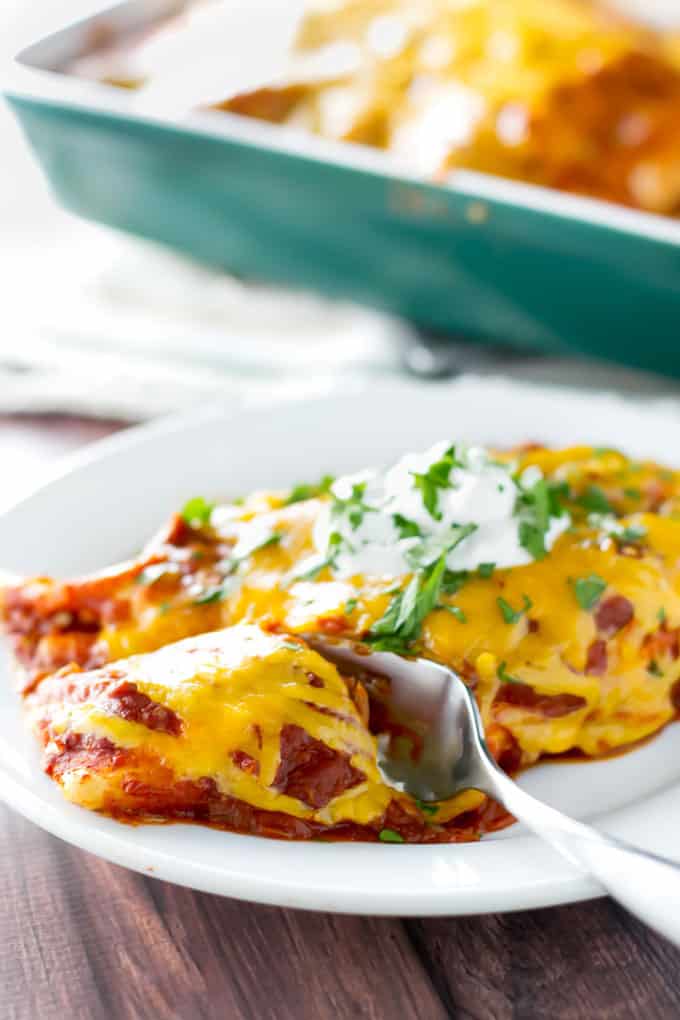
85	940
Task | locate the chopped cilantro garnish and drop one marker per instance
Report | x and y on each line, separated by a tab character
405	527
588	590
437	476
433	548
632	534
350	606
309	569
535	507
261	542
299	493
511	615
632	494
454	610
594	499
400	626
485	570
197	512
390	836
453	581
661	615
353	507
654	669
427	809
506	678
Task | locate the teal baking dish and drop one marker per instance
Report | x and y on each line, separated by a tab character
481	258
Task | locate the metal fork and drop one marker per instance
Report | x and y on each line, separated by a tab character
435	704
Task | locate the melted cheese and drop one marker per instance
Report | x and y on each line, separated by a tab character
624	705
235	690
242	685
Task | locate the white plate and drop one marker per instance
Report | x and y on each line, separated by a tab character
105	502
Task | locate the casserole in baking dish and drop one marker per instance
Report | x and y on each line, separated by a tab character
474	254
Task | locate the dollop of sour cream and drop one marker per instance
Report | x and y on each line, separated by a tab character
451	500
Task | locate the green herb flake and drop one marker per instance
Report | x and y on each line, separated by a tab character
350	606
353	507
304	491
535	507
455	611
405	527
594	500
437	476
661	615
454	580
511	615
506	678
485	570
588	590
401	624
390	836
653	668
310	568
197	512
427	809
431	549
632	494
632	534
163	608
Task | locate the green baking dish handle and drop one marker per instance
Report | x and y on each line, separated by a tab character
486	270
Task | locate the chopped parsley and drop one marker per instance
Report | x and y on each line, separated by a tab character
197	512
654	669
453	581
390	836
661	615
353	507
486	570
632	494
405	527
299	493
437	476
594	500
511	615
588	590
632	534
350	606
273	538
427	809
535	506
433	548
506	678
401	624
455	611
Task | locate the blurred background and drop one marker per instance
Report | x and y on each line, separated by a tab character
100	324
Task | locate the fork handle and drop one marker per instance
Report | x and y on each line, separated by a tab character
646	884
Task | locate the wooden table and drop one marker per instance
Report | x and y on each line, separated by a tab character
85	940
